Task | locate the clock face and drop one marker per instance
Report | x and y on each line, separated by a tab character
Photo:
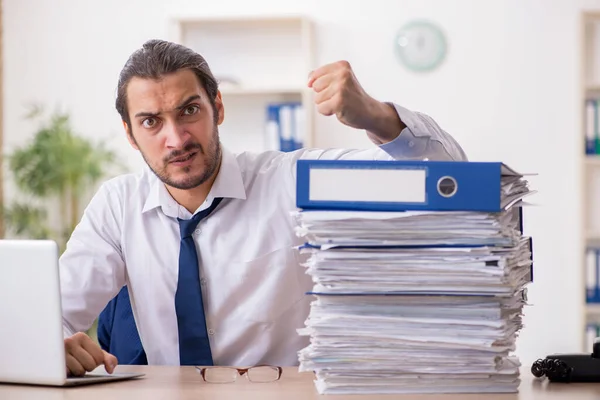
420	45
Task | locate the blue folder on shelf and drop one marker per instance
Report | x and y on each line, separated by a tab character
407	185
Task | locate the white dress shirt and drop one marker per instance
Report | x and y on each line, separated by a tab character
252	282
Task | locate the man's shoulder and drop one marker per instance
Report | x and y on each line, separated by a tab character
262	161
128	185
250	157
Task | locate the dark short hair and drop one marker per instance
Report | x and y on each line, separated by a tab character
157	58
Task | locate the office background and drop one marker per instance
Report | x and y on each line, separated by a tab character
509	89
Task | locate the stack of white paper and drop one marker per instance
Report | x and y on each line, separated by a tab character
415	302
397	344
428	228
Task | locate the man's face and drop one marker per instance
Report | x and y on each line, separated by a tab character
174	127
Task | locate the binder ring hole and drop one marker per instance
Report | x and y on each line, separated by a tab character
447	186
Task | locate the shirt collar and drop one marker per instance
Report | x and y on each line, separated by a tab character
227	184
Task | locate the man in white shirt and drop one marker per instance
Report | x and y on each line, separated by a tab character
251	284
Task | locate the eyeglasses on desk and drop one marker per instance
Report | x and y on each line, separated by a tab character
255	374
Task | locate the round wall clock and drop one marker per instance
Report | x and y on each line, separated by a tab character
420	45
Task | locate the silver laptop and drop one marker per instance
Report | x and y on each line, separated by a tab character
31	335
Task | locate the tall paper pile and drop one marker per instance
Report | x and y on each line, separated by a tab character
416	302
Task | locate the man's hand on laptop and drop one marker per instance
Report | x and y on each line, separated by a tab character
83	355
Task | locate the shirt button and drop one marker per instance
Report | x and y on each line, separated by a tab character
411	144
211	332
198	231
203	281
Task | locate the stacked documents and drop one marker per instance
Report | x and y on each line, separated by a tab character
416	301
402	344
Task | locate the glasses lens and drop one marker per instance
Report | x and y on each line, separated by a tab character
263	374
220	375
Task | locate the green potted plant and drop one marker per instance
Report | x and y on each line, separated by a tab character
54	172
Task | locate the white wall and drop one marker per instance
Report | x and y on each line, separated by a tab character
508	91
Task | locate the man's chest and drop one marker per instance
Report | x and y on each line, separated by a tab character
246	255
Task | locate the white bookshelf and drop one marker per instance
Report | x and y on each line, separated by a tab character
590	164
258	61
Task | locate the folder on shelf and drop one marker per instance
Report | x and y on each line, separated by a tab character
596	128
596	267
285	126
592	274
299	135
591	281
591	110
408	185
272	128
591	333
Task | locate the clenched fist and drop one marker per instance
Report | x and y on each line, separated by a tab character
338	92
83	355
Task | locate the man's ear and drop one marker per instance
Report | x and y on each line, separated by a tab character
130	136
220	108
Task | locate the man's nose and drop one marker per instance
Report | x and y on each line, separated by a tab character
176	135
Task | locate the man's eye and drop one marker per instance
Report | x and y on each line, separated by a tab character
149	122
190	110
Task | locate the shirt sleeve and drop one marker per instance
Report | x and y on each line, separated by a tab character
92	270
422	139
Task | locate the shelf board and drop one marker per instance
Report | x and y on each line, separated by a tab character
592	161
592	88
257	20
592	308
261	91
591	16
592	239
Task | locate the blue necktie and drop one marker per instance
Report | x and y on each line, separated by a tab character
194	346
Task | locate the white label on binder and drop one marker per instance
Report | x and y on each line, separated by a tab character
376	185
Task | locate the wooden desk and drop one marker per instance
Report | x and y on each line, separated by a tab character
174	383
